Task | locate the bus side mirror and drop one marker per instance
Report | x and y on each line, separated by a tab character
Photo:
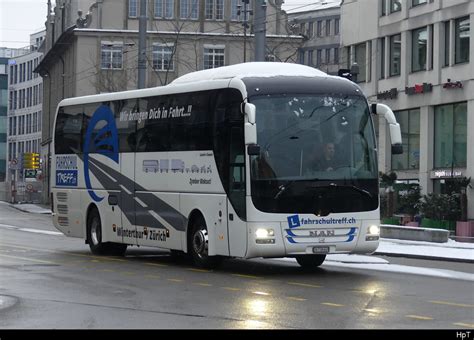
249	110
395	132
250	134
253	150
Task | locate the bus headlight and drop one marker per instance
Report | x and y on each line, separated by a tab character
265	236
373	233
374	230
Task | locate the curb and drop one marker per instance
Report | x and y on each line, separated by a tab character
45	212
423	257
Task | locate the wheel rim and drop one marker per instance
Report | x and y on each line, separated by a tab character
200	243
95	231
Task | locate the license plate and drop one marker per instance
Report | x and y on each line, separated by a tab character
320	250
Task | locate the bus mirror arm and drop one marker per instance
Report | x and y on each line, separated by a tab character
249	110
395	132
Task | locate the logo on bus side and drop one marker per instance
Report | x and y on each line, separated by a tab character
103	141
66	171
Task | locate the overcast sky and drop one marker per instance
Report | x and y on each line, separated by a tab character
19	19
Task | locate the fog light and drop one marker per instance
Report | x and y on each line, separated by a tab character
264	233
374	230
371	238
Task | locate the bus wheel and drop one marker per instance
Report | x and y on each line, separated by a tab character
199	249
94	238
310	261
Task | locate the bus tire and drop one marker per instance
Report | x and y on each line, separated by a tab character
94	237
310	261
199	246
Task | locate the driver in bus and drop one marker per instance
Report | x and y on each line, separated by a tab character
325	161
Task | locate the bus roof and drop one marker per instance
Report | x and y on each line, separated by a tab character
253	70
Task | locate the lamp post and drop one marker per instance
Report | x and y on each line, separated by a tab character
245	11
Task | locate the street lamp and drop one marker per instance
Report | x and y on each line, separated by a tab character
245	23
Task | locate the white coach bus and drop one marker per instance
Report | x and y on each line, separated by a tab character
250	160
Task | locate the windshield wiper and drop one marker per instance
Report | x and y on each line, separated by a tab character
282	188
345	186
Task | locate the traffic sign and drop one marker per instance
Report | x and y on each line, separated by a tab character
30	175
31	160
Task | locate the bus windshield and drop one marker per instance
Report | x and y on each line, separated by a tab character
314	150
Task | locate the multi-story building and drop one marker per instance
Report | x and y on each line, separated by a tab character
319	25
417	57
5	54
97	51
3	116
24	119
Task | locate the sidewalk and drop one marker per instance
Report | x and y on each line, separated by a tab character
448	251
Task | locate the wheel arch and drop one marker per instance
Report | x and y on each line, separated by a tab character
194	215
90	208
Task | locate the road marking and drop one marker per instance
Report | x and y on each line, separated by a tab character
373	310
27	259
452	304
203	284
303	285
103	258
296	298
247	276
199	270
156	264
330	304
231	289
419	317
175	280
127	273
29	230
462	324
261	293
151	276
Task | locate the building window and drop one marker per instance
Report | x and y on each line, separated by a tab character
450	137
111	56
310	58
328	56
163	57
395	6
462	33
419	49
336	26
328	27
336	55
189	9
447	40
361	60
213	56
164	9
418	2
319	56
214	9
132	8
383	8
234	10
319	28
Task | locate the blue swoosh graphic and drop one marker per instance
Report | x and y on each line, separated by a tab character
104	143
